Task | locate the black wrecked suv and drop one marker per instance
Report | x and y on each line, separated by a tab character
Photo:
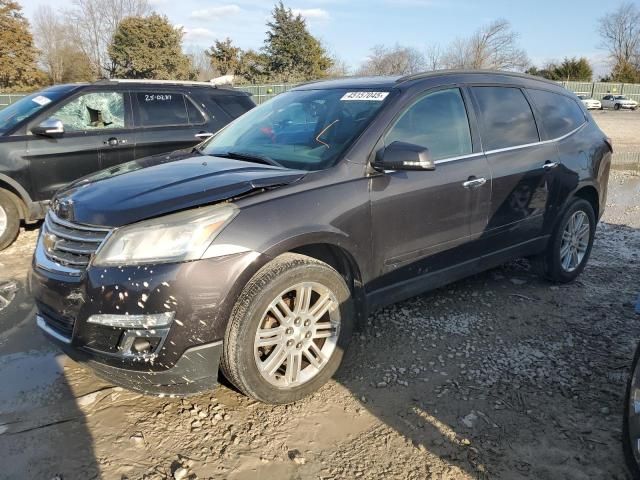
257	252
53	137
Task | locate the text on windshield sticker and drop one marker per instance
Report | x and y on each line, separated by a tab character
365	96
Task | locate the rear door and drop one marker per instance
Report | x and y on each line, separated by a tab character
91	119
560	117
166	120
520	165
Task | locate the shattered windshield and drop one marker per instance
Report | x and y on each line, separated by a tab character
304	129
26	107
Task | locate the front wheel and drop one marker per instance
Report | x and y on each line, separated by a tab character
570	244
288	330
9	220
616	106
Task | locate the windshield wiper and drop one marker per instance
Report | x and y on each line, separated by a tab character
251	157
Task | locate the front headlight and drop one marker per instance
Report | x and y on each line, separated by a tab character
177	237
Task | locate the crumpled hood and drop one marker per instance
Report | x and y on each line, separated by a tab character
162	184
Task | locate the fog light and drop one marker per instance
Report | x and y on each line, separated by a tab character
155	320
142	343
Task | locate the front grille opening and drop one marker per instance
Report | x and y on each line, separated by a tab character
68	244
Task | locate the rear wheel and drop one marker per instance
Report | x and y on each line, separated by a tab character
616	106
570	244
288	330
9	220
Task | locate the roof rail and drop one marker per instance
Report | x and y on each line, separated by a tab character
158	82
435	73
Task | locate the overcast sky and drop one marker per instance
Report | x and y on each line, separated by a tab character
349	28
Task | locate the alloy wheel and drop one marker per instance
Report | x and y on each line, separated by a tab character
4	221
575	241
297	335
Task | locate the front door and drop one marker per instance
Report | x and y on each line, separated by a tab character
520	164
90	120
422	219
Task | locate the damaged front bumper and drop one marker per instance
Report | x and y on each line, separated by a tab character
90	318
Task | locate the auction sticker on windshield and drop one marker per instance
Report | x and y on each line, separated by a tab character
41	100
366	96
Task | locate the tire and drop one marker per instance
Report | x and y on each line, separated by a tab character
255	308
9	220
631	423
616	106
549	263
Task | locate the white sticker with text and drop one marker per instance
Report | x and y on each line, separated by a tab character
365	96
41	100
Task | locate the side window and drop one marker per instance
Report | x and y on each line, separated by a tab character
160	109
234	105
194	114
560	114
438	122
93	111
506	119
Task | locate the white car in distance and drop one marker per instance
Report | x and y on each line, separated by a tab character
590	103
618	101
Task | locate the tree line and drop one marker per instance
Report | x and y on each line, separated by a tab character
126	39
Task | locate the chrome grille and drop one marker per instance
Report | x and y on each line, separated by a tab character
70	245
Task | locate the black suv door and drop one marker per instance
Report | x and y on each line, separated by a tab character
167	120
97	128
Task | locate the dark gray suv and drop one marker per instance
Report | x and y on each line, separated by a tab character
257	251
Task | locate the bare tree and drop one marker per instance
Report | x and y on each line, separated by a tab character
340	68
397	60
93	23
201	63
434	57
493	46
620	34
51	39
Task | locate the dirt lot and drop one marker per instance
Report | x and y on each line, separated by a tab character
501	375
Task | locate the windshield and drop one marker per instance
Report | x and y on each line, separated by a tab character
27	106
304	129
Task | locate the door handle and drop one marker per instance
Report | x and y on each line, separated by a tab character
112	142
474	182
203	135
548	165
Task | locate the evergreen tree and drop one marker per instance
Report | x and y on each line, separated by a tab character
149	47
293	53
18	56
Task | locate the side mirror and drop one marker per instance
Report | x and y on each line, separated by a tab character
404	156
51	127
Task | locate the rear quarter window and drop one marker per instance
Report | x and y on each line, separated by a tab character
506	119
234	105
560	114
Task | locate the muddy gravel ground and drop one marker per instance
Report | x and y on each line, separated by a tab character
501	375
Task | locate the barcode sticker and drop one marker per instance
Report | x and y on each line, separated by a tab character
365	96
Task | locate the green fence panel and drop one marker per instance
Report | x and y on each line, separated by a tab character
262	93
7	99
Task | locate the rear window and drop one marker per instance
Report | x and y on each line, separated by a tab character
506	117
560	114
157	109
234	105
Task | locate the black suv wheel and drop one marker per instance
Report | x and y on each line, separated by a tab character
9	220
